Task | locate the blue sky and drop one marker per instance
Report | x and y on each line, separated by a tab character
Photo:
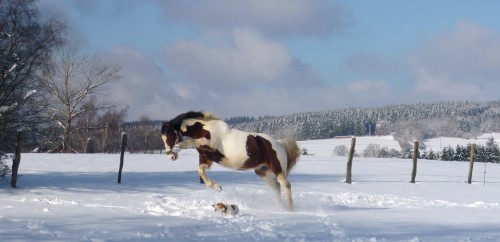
259	57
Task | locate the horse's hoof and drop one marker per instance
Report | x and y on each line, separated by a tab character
218	188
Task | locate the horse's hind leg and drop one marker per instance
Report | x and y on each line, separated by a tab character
268	177
288	189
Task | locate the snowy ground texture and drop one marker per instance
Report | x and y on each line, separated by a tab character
76	198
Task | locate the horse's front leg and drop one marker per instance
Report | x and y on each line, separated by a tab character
205	164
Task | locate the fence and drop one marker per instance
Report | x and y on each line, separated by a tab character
414	161
123	147
350	160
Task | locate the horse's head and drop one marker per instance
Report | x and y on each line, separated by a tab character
171	139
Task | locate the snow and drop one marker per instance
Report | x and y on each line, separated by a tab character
322	145
29	94
75	197
4	109
437	144
12	67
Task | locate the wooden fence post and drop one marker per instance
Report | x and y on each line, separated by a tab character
415	157
348	176
89	146
471	162
122	154
16	161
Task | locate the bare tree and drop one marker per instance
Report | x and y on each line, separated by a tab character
26	46
372	150
75	78
111	135
101	128
87	124
340	150
144	135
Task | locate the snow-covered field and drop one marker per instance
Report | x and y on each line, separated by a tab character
64	197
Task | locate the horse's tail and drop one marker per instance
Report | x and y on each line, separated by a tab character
292	152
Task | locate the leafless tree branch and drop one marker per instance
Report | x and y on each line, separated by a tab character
75	79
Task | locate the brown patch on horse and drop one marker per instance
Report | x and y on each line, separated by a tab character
196	131
170	138
260	151
209	154
204	159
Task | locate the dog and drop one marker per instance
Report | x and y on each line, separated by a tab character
227	209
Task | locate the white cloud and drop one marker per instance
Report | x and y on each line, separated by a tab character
369	93
278	17
245	74
143	86
460	63
442	86
247	60
252	79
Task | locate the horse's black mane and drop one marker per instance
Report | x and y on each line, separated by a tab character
177	121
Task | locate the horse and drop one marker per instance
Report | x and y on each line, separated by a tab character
271	159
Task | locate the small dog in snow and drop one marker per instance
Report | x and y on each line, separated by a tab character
227	209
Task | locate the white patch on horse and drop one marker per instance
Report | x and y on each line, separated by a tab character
164	138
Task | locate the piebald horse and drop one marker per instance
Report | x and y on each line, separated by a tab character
216	142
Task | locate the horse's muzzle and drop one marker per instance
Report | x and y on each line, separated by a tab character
172	155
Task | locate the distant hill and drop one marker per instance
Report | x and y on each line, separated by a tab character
405	122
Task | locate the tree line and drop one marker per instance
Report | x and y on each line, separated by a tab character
406	122
490	153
